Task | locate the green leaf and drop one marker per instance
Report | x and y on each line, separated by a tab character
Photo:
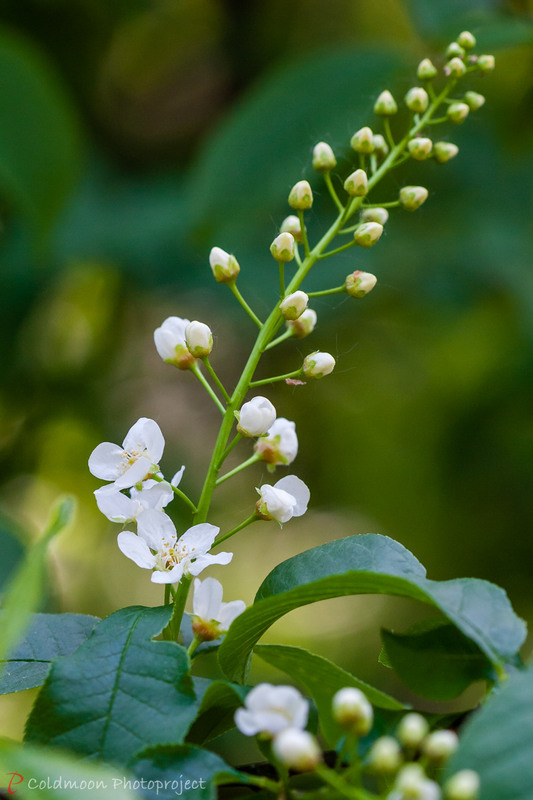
49	636
58	776
217	708
119	692
321	679
169	769
497	742
372	564
12	550
435	659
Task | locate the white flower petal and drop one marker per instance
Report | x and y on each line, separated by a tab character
153	495
135	548
115	505
298	489
279	504
199	538
145	435
172	576
229	612
105	461
176	480
154	527
208	560
140	468
207	599
170	335
271	709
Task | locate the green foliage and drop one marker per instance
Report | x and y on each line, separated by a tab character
12	551
216	712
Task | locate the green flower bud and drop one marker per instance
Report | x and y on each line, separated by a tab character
199	339
420	148
454	50
291	224
417	99
412	197
444	151
294	305
464	785
381	148
282	248
426	70
356	184
362	141
439	745
456	68
318	365
367	234
474	100
385	105
304	325
457	112
323	157
352	710
466	40
385	755
358	284
486	64
380	215
413	728
225	266
301	196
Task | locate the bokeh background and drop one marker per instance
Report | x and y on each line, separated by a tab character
134	136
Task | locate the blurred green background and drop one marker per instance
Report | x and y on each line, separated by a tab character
134	136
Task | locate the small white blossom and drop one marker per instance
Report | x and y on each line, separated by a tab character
385	755
212	617
156	546
288	498
412	729
135	461
318	365
280	445
272	709
282	248
199	339
256	416
463	785
352	710
439	745
294	305
297	749
118	507
304	325
170	343
412	784
225	266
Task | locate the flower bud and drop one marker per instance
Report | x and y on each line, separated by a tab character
363	141
380	215
170	343
256	417
464	785
297	750
368	234
467	40
456	68
291	224
304	325
381	148
474	100
359	284
426	70
225	266
410	780
486	64
412	197
385	755
294	305
282	248
413	728
417	99
454	50
301	196
385	105
457	112
199	339
280	445
439	745
323	158
356	184
444	151
420	148
352	710
318	365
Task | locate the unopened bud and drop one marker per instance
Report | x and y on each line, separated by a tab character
409	780
456	68
367	234
304	325
323	157
464	785
318	365
255	417
380	215
381	148
294	305
301	196
439	745
474	100
455	50
282	248
426	70
420	148
466	40
385	755
199	339
352	710
417	99
291	224
457	112
412	197
225	266
297	749
358	284
385	105
356	184
444	151
486	64
362	141
413	728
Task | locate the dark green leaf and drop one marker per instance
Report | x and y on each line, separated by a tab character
119	692
216	712
49	636
372	564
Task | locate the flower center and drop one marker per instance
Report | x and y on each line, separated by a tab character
172	553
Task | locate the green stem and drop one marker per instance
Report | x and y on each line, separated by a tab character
253	518
286	335
238	469
264	783
193	645
388	133
281	279
216	379
324	292
233	286
339	249
305	240
172	630
201	377
277	378
167	594
333	193
338	783
178	493
236	439
389	204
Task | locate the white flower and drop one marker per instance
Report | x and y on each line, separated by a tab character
288	498
282	248
412	729
118	507
352	710
318	365
225	266
170	343
157	547
212	617
136	460
464	785
297	749
439	745
304	325
199	339
411	782
294	305
256	416
280	445
272	709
